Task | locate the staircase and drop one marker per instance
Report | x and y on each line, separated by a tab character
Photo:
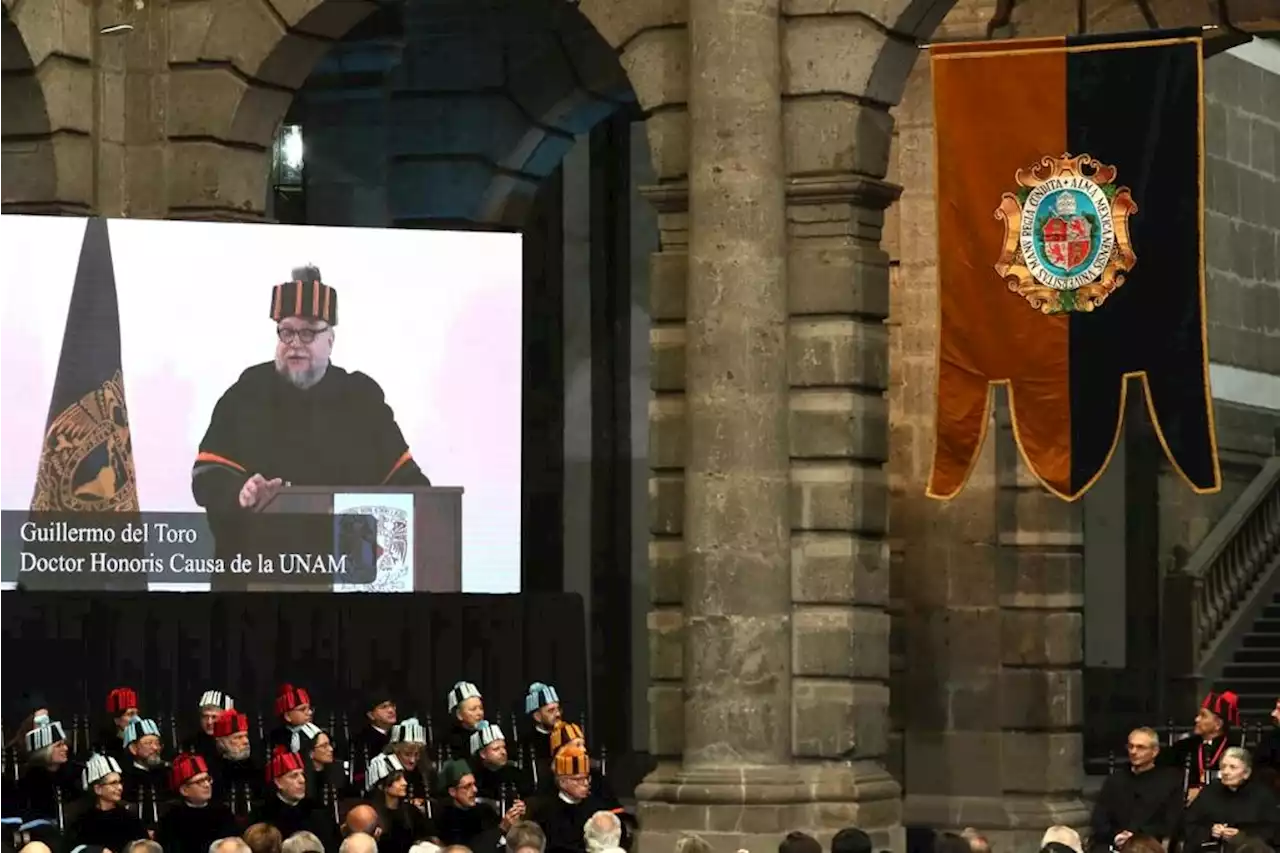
1229	594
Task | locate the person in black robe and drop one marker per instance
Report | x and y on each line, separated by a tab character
407	741
466	710
286	805
542	706
1266	756
497	779
237	776
402	824
146	775
1198	754
1138	799
563	815
48	780
381	716
325	780
201	741
466	820
109	822
122	707
1232	805
298	419
295	713
196	821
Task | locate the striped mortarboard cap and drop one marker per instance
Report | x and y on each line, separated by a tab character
42	736
408	731
461	692
217	699
306	296
539	695
97	768
485	734
139	728
573	761
381	767
565	733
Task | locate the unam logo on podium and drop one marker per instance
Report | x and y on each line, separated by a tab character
391	544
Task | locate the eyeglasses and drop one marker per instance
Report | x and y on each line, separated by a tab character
199	780
287	336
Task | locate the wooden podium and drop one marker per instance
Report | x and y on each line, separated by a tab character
437	529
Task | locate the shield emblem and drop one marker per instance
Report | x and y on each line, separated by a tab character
1067	241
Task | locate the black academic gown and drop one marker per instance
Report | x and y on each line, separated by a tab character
242	778
113	828
477	827
339	432
1251	808
203	745
1191	755
1147	803
458	741
402	827
562	819
191	829
304	816
493	783
535	746
367	743
146	785
38	790
328	783
1266	758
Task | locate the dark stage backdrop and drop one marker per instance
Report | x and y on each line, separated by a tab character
171	647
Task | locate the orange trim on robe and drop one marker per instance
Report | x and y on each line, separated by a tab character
205	456
400	463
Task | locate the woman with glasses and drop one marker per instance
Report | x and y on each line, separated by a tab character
109	823
325	780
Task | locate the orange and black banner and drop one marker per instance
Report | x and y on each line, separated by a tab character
1071	252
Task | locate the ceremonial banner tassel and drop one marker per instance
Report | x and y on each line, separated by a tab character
86	461
1071	252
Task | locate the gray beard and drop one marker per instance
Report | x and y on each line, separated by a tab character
235	754
305	380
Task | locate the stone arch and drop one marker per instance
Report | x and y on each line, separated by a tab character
237	65
47	152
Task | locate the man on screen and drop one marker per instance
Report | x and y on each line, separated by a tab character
299	419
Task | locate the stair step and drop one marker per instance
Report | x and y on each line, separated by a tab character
1266	626
1267	669
1271	611
1258	655
1261	641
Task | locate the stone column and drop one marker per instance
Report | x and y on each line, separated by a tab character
733	783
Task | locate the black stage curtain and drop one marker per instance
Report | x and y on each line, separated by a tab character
170	647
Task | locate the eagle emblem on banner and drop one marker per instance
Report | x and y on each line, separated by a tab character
1066	234
87	463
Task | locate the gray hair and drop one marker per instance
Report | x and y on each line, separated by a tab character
425	847
526	834
142	845
238	845
1064	835
1239	753
359	842
602	831
299	842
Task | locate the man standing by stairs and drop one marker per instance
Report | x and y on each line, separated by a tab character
1198	754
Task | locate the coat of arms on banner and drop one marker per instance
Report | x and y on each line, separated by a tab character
1066	234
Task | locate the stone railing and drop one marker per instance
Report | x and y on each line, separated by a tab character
1214	593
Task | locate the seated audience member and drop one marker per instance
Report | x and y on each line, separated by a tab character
949	842
525	836
542	705
497	779
122	707
977	842
287	806
202	741
230	844
466	706
237	777
1266	755
143	845
1064	837
799	842
303	842
402	824
358	842
108	823
145	775
293	710
425	847
196	821
264	838
1140	844
381	715
407	740
1141	798
463	820
602	833
851	840
1233	805
562	816
325	781
1198	755
47	781
691	843
362	819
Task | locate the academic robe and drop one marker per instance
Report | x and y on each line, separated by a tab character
204	745
535	746
339	432
1266	758
402	827
478	827
367	743
243	779
328	782
147	786
38	790
562	819
1147	803
458	740
185	828
1197	759
304	816
113	828
1251	808
493	783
